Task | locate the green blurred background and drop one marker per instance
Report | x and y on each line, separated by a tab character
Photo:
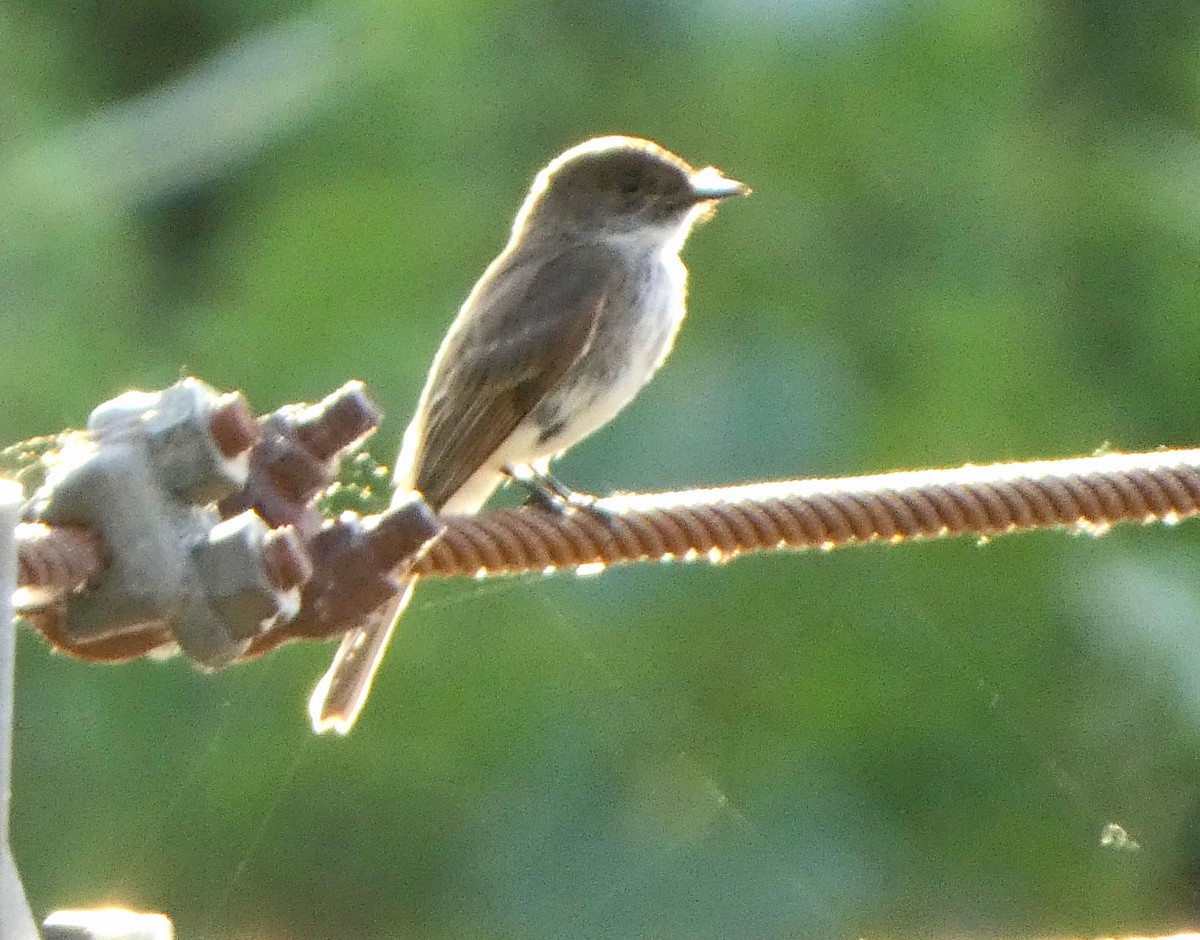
974	237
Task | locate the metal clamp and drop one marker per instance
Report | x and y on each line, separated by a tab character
145	477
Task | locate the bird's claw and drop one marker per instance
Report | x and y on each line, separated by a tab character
548	493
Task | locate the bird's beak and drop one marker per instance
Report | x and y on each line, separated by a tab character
710	184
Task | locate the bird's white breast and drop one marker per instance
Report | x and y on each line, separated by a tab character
638	343
633	336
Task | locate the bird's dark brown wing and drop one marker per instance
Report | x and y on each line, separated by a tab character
522	329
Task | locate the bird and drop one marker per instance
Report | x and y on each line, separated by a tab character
561	332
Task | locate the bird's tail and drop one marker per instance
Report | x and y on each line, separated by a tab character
340	695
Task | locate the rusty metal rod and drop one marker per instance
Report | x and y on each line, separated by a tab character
1090	493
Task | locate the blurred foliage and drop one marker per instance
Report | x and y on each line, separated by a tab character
974	237
363	485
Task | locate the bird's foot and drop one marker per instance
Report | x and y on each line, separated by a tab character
551	494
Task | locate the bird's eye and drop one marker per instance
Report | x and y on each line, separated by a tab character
630	184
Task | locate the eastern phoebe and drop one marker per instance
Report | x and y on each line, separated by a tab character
561	332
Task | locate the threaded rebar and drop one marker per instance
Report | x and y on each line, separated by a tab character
1091	493
1088	493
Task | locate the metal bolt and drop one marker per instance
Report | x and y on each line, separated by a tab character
401	532
285	561
232	426
337	421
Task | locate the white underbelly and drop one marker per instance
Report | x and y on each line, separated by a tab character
638	345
